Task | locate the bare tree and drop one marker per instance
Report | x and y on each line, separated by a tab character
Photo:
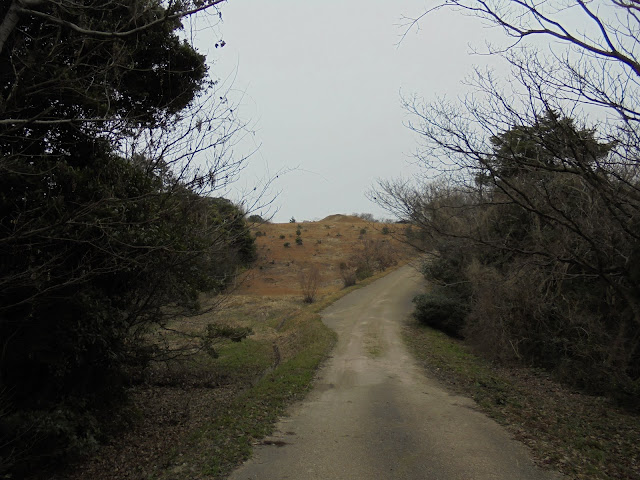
309	280
539	173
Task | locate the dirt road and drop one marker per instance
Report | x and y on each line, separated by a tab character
374	415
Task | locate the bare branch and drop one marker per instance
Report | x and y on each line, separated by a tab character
29	8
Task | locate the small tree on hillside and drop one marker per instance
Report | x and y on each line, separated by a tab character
309	280
347	273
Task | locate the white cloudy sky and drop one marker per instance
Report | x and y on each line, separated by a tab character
321	83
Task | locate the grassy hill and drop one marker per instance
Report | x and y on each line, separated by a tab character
323	244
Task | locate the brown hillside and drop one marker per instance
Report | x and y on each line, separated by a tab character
325	244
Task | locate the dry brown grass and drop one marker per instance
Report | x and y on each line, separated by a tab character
325	244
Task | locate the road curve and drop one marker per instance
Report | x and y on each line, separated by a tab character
374	415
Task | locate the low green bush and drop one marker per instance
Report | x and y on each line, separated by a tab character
363	271
443	310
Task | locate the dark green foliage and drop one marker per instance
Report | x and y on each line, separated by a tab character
442	309
98	245
553	142
418	238
298	241
287	244
78	298
446	306
154	75
233	231
363	271
447	267
216	332
256	219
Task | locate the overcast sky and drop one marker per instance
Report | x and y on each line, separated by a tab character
321	82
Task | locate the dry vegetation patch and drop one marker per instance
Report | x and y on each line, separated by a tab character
325	245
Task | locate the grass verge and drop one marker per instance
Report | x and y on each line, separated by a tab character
227	439
582	436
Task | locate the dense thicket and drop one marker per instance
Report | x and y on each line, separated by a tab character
534	217
109	223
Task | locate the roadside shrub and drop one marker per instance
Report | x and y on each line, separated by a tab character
374	255
363	271
287	244
369	257
448	265
443	310
298	241
385	230
531	314
419	238
282	237
384	255
348	274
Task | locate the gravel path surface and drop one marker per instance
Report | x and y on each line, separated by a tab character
374	415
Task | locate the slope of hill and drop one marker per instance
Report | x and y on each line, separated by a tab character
323	244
